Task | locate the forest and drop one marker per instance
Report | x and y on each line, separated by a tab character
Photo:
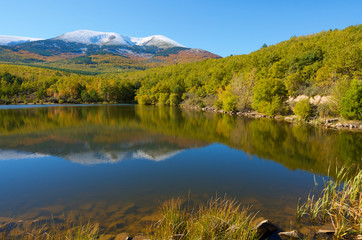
328	63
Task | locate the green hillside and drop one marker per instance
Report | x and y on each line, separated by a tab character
327	64
318	64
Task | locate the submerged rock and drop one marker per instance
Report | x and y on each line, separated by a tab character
326	231
292	234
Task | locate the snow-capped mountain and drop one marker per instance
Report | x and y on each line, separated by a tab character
99	38
138	52
11	40
109	38
156	40
92	37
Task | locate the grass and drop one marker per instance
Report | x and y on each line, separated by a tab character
220	218
340	203
52	231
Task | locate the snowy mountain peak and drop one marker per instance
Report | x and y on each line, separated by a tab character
110	38
10	40
156	40
93	37
99	38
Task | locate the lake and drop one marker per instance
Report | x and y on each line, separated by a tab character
115	164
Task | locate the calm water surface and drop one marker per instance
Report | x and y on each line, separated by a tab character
115	164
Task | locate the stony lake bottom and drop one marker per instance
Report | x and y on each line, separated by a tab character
115	164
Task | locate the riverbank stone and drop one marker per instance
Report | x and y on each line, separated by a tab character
267	230
291	235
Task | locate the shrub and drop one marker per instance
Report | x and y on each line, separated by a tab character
303	109
325	110
218	104
174	99
143	100
229	103
41	93
351	105
163	98
93	95
269	96
85	96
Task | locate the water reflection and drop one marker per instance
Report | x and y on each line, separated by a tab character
156	154
98	134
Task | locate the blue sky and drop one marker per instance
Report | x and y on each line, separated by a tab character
222	27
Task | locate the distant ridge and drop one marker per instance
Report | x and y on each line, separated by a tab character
86	49
99	38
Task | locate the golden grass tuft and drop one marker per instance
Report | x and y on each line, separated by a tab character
340	203
220	218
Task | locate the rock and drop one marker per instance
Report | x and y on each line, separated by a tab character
122	236
331	120
292	234
266	228
325	231
138	238
289	119
107	237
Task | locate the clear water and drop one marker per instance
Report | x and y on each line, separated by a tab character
115	164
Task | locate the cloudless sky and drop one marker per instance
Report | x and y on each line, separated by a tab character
223	27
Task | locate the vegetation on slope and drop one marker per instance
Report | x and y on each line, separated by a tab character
327	63
318	64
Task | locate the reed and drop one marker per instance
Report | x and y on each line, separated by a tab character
219	218
339	203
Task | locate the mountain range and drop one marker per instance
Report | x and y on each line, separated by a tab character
100	50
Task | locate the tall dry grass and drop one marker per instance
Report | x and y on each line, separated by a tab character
220	218
339	203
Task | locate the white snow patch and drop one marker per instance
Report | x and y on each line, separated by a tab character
111	38
155	157
156	40
14	155
93	37
8	40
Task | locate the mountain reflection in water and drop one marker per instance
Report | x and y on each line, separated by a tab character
260	162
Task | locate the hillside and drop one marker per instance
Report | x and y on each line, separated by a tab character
327	64
82	49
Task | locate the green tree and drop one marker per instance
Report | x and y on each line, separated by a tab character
351	107
41	94
85	96
93	95
269	96
174	99
163	98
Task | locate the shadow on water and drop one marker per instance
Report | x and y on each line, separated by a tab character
156	153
